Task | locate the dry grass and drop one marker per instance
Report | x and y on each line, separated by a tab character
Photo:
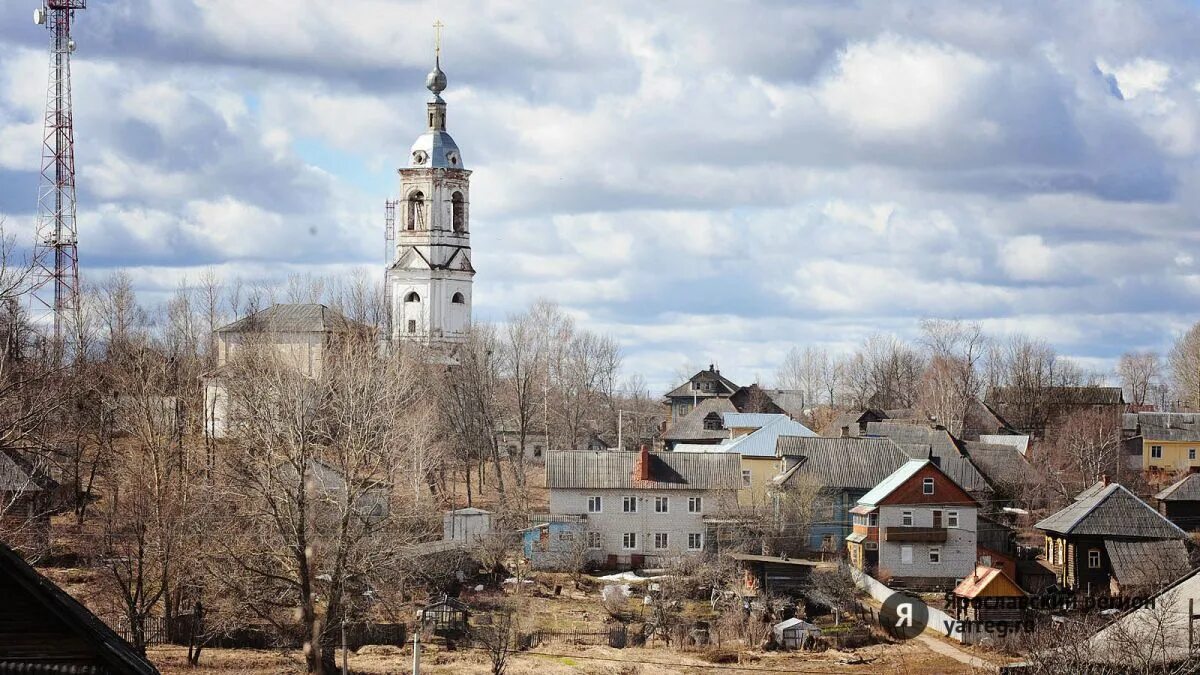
561	659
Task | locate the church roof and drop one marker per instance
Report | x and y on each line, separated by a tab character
440	149
291	318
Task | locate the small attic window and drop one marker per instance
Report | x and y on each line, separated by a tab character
712	422
927	486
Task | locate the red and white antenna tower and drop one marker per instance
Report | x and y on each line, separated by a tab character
56	256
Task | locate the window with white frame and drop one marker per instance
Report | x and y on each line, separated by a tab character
660	540
629	541
872	520
906	518
935	555
695	541
695	504
595	505
927	486
747	478
1156	451
629	504
952	519
595	540
1094	558
660	505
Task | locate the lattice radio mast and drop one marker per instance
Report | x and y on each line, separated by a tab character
56	256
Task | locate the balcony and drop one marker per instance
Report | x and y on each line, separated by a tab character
927	534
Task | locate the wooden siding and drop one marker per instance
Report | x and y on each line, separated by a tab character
945	491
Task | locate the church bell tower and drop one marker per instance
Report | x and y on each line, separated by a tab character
429	278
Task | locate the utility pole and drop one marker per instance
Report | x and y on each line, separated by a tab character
417	650
55	251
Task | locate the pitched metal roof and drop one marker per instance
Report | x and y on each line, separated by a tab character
668	470
1147	563
115	655
897	478
293	318
759	443
973	584
1186	489
1018	441
847	463
691	426
1111	511
922	442
749	420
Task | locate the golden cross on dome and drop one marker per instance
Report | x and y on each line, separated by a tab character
437	38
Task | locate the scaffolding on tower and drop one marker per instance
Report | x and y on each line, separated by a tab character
56	256
389	256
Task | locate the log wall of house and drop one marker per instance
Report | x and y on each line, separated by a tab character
29	634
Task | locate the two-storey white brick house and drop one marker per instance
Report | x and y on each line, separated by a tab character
641	508
917	527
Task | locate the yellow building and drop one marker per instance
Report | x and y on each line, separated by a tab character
753	436
1170	441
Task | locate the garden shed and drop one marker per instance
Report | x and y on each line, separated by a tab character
795	633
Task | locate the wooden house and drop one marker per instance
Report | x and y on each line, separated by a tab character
1180	502
26	501
44	630
989	594
1108	541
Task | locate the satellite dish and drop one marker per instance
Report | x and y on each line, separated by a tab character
39	16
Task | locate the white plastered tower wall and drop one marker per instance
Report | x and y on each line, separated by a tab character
431	271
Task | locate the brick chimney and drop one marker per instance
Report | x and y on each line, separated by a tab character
641	469
845	432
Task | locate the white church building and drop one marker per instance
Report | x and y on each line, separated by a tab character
429	278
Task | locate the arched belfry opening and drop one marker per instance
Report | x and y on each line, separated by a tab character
416	211
458	212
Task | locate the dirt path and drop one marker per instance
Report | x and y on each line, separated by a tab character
957	654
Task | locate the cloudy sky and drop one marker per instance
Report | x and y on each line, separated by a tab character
707	181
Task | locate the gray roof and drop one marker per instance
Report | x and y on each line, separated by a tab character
1000	464
1179	427
1186	489
1111	511
294	319
668	470
1148	563
724	386
18	474
440	150
922	442
790	401
691	426
848	463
